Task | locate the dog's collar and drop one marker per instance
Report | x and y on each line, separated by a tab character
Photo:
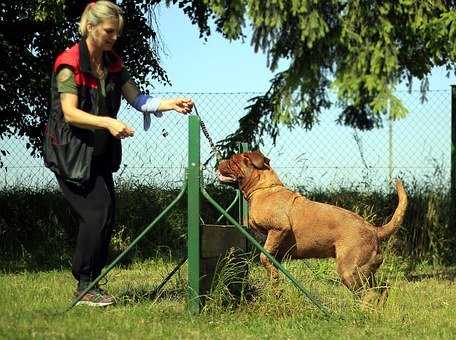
262	188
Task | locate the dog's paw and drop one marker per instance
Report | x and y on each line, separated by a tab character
374	299
277	291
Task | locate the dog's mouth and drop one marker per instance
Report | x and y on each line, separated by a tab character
225	178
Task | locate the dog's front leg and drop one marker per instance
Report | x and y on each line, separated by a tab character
272	245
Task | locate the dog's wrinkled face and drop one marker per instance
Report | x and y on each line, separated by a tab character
240	166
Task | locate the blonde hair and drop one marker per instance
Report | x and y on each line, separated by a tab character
98	11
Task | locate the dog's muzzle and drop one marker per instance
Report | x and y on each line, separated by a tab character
225	179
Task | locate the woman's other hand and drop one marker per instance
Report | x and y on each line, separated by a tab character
119	129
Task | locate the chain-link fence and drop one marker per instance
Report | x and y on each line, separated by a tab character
416	147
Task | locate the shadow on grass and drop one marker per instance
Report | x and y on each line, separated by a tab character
448	274
132	295
144	294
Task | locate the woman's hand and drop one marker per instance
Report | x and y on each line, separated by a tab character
183	105
119	129
85	120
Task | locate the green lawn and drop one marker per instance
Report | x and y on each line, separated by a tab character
421	305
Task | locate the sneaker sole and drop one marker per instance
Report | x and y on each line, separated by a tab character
94	304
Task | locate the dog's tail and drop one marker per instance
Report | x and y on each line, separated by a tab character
385	231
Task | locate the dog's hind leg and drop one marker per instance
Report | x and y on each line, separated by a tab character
360	277
272	245
357	273
373	295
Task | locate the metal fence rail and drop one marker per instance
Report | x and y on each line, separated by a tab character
417	147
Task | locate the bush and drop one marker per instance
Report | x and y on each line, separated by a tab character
38	229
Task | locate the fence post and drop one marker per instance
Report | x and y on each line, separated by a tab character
390	146
193	206
243	205
452	222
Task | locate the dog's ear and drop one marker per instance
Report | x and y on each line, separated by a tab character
258	160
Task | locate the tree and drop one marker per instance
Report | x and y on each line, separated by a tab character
34	32
361	49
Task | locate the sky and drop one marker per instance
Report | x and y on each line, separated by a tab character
217	65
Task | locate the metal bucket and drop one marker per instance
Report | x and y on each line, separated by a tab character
223	245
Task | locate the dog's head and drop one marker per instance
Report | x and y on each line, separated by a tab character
240	168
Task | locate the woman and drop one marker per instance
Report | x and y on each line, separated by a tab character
82	140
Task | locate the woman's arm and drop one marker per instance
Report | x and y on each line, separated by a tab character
74	116
146	103
82	119
181	105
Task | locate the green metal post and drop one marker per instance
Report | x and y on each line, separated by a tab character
452	223
194	239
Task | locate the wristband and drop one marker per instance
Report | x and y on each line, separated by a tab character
147	105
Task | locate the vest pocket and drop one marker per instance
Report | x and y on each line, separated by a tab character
73	161
68	152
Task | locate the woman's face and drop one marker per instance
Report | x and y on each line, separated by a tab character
105	34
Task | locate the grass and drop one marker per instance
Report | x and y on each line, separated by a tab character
420	306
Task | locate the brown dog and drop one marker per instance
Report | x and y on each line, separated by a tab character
300	228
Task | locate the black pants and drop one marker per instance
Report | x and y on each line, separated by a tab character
94	204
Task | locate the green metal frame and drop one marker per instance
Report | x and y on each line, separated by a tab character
271	258
136	240
194	187
194	224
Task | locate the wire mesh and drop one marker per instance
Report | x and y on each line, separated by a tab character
417	147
